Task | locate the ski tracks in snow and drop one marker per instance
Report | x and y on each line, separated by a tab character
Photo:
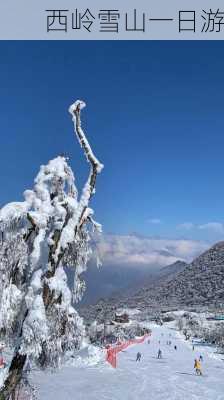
171	378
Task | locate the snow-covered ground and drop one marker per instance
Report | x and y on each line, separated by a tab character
171	378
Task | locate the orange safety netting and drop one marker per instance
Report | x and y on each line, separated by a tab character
111	355
2	363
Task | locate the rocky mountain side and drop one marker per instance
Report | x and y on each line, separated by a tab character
171	270
200	283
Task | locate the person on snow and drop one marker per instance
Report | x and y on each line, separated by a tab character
193	347
201	358
175	347
197	367
138	356
159	354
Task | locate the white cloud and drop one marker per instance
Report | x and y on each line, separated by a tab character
155	221
217	227
134	250
186	225
214	226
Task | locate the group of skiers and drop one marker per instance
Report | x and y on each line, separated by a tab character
197	362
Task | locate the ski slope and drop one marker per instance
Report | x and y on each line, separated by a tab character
171	378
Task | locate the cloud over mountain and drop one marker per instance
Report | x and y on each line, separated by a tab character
130	260
134	250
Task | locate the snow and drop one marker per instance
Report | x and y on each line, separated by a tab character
35	330
13	211
3	375
36	253
88	356
9	306
58	283
78	103
171	378
36	280
129	311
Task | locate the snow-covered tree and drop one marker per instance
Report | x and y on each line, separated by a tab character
51	229
180	323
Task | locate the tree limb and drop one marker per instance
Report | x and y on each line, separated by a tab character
96	166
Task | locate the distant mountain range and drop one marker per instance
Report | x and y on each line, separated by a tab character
171	270
199	283
111	281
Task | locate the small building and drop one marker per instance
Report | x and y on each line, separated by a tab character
216	318
122	318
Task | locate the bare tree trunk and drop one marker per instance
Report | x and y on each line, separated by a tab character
14	376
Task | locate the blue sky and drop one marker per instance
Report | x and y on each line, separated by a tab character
154	117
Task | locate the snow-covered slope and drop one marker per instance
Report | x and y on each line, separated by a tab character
172	377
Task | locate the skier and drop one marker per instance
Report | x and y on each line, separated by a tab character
138	356
197	367
193	347
175	347
159	354
201	358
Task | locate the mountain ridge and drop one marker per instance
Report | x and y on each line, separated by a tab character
199	283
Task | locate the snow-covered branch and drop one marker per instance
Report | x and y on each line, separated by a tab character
75	110
83	211
96	166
